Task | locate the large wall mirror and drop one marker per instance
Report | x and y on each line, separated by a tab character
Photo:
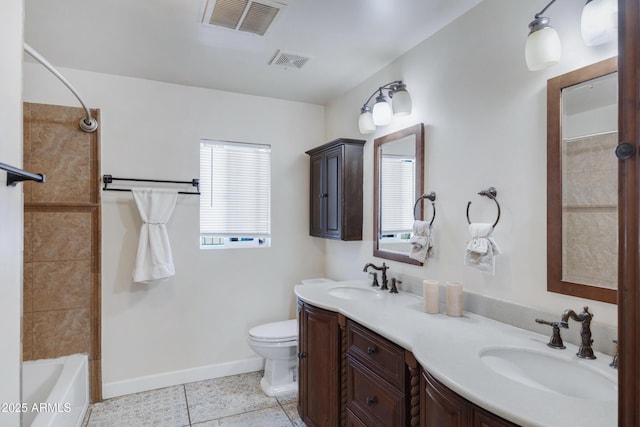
582	182
398	169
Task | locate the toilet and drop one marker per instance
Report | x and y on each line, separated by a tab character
277	342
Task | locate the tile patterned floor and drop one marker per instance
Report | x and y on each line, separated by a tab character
235	401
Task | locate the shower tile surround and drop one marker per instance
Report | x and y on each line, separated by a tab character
231	401
590	210
61	295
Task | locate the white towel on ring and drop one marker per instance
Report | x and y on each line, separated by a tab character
154	259
481	249
421	241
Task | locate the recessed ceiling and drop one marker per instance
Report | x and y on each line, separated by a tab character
342	42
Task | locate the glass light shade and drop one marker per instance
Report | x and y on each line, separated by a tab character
599	22
401	102
365	121
382	114
543	49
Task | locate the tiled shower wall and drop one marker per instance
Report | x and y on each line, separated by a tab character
61	295
590	210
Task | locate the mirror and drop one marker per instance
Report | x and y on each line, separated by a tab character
582	182
398	173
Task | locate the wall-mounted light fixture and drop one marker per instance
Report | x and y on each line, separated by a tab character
382	113
599	25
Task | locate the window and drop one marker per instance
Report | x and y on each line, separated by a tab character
235	201
397	194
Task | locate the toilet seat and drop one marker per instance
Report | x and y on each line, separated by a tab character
286	330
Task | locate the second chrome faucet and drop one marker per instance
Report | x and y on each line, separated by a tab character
384	269
584	351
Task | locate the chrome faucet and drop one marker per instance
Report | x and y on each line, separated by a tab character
556	340
384	269
585	351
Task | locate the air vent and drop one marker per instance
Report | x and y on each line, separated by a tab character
288	60
242	15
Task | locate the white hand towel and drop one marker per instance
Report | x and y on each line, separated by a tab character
421	241
481	249
154	259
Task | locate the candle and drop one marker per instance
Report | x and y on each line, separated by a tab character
431	293
454	299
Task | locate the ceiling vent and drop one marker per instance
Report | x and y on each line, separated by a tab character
243	15
288	60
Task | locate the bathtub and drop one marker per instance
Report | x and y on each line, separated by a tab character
55	392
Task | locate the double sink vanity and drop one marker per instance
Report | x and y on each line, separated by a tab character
372	358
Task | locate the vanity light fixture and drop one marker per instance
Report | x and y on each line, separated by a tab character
599	22
382	113
543	48
599	25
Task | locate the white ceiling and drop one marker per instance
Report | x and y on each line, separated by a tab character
347	41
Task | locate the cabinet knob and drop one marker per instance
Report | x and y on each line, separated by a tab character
370	400
302	355
371	350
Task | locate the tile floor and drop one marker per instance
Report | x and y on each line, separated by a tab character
229	401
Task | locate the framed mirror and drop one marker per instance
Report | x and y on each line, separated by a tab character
582	182
398	172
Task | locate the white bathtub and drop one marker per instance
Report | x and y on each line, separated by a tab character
55	392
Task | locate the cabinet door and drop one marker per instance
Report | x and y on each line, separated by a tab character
371	399
482	418
316	198
440	407
319	379
333	192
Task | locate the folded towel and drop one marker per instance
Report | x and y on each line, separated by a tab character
421	241
154	259
481	249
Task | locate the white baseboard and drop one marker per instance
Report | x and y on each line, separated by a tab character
166	379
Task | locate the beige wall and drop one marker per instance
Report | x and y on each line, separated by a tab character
194	324
485	125
10	206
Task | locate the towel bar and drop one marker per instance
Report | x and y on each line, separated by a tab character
15	175
108	179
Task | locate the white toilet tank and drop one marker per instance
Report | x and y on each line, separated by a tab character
285	330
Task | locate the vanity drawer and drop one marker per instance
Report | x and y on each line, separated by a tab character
372	400
378	354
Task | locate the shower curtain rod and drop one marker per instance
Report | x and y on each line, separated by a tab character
87	124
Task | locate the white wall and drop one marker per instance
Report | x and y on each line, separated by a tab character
485	118
201	316
10	207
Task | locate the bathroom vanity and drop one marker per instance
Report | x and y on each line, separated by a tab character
370	358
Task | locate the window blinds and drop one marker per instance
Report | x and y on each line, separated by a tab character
235	186
397	194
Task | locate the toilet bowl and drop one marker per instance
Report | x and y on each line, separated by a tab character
277	342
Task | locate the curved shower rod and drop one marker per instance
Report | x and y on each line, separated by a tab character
87	124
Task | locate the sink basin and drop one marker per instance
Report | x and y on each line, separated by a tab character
550	373
350	292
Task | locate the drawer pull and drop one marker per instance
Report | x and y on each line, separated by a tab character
302	355
370	400
371	350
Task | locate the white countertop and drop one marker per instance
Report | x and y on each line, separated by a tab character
449	347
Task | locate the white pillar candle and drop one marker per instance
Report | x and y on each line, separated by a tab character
454	299
431	293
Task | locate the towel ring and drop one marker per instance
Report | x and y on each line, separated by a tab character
431	196
491	193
